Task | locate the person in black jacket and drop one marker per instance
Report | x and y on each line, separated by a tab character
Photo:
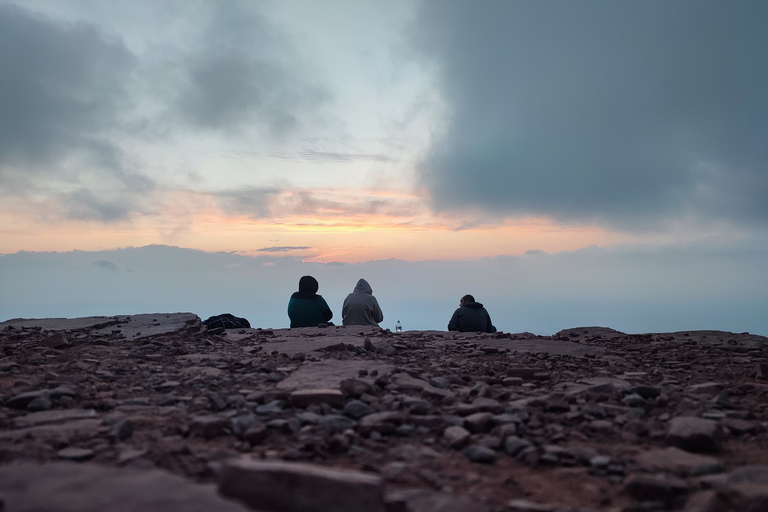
470	317
306	308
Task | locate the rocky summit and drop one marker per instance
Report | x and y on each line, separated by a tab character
154	412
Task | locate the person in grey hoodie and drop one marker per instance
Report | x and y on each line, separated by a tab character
470	317
361	307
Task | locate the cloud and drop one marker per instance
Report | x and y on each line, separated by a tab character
310	155
330	203
626	114
81	111
63	99
284	248
250	201
267	202
61	88
106	265
241	72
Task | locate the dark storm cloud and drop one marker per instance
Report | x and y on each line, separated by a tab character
83	204
244	72
621	113
62	96
72	100
61	86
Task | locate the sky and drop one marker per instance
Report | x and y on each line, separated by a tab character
601	137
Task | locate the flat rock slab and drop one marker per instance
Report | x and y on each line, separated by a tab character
55	416
129	326
143	326
63	431
294	487
61	324
675	460
70	487
329	374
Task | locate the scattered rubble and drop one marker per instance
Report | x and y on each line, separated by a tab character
153	412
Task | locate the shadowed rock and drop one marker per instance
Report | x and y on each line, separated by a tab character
289	487
70	487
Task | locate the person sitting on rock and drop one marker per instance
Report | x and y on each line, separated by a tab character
361	307
471	316
306	308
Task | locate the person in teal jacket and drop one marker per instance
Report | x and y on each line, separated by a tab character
306	308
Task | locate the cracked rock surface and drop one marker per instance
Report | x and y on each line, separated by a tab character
343	418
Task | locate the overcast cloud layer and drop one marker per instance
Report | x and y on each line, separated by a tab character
83	113
62	96
628	114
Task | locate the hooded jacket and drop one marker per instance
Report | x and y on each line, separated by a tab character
361	307
306	308
471	317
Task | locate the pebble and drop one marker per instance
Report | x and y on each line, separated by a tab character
208	426
75	454
479	422
480	453
356	409
456	437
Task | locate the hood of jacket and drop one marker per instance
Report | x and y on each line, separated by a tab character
363	286
473	305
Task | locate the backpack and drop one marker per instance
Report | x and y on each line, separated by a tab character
226	321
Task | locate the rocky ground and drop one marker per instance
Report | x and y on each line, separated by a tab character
153	412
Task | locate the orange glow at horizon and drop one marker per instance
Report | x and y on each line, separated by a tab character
337	225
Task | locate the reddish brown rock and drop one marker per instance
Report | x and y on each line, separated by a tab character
382	422
208	426
655	488
479	423
58	340
676	461
706	501
693	434
456	437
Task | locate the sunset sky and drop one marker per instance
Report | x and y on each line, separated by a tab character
353	131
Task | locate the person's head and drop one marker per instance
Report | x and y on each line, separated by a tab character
466	299
363	286
308	284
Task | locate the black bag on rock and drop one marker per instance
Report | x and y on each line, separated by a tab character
226	321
